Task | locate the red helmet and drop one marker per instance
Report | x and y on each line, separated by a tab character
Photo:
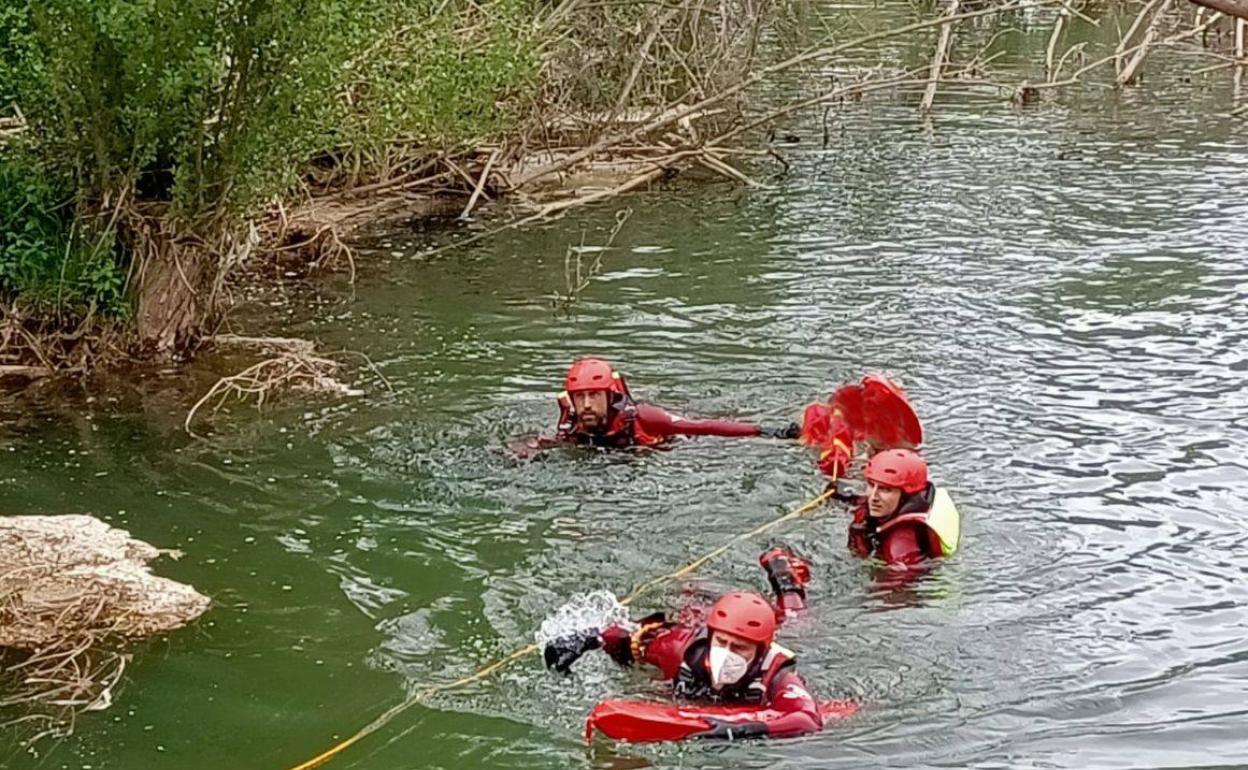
589	374
746	615
898	468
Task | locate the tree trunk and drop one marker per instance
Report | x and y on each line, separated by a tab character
174	291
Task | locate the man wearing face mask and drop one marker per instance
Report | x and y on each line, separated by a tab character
903	519
732	658
597	409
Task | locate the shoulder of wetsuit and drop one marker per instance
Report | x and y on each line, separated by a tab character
784	674
699	642
920	502
622	402
652	413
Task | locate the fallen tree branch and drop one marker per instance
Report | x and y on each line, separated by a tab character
292	369
26	372
1120	50
840	92
661	167
480	187
712	161
938	59
1131	71
1058	26
291	344
1172	40
671	116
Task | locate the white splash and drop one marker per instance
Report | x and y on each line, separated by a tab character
593	610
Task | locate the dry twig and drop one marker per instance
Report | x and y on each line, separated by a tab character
293	368
1131	70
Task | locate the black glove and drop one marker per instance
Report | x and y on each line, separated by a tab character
845	491
561	653
790	431
786	572
732	731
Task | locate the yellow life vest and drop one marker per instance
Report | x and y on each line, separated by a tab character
943	519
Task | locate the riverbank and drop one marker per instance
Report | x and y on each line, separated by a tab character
138	177
549	108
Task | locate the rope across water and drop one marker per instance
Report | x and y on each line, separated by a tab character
423	695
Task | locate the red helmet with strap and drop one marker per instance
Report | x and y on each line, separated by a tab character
900	468
746	615
590	374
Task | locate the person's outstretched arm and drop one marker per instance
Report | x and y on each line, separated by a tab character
657	421
654	641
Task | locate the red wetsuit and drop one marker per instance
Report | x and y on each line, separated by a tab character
681	653
905	544
633	424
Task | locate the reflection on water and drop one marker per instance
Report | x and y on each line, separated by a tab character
1063	296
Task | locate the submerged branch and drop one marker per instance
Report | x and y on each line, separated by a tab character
938	59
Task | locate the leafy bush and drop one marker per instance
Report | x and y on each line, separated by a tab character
201	111
217	105
44	259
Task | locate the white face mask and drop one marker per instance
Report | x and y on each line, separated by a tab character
727	667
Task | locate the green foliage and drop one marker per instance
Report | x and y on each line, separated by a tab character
436	83
43	259
14	47
211	108
217	105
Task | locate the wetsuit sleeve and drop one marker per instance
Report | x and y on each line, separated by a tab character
902	546
666	649
660	644
798	710
656	421
788	575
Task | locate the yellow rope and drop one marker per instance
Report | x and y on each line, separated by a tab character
427	693
696	564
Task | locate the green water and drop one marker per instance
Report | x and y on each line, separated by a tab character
1061	288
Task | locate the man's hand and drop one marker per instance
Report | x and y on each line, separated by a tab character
790	431
561	653
845	491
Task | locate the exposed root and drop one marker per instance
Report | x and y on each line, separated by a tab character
35	344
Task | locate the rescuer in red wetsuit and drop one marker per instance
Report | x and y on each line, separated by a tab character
596	409
903	519
730	659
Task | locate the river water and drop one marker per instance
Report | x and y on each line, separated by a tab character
1062	289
